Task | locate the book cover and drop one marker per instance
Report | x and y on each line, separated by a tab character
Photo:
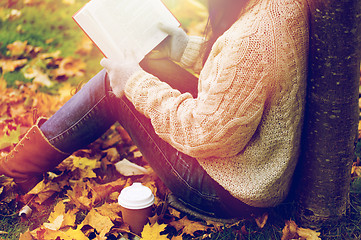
116	26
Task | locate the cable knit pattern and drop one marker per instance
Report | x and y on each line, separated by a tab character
245	125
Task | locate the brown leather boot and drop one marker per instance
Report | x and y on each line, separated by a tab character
30	158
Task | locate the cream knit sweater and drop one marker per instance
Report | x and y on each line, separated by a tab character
244	127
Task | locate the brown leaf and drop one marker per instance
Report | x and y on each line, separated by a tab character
188	226
292	231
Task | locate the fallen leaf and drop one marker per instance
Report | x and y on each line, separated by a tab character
69	67
26	236
38	76
180	237
289	231
308	234
79	196
68	217
174	212
111	210
17	48
44	191
188	226
127	168
262	220
153	233
12	138
102	224
86	166
56	224
86	46
9	65
70	234
292	231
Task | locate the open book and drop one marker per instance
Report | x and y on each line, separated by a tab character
116	26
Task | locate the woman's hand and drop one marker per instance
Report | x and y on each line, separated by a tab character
119	71
173	46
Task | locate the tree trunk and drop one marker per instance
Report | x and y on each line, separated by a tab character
331	117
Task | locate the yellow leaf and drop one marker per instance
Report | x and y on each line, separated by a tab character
99	222
87	166
3	85
153	233
70	234
44	191
84	163
65	92
111	210
79	196
308	234
11	65
17	48
75	234
8	140
69	217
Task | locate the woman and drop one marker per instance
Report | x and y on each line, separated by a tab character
228	148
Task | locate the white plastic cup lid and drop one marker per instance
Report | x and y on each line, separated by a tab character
136	196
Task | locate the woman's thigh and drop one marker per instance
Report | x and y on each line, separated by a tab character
181	173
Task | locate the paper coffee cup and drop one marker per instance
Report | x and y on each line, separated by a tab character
136	202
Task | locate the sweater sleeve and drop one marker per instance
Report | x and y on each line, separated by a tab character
191	56
227	111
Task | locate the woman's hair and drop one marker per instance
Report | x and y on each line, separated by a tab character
222	14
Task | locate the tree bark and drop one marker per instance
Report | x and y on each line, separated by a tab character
331	117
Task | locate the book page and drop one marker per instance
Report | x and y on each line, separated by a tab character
125	25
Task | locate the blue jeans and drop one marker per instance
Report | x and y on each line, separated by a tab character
91	111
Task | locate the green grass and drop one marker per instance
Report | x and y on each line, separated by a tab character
10	223
48	25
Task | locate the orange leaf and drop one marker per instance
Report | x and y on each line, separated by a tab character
188	226
262	220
